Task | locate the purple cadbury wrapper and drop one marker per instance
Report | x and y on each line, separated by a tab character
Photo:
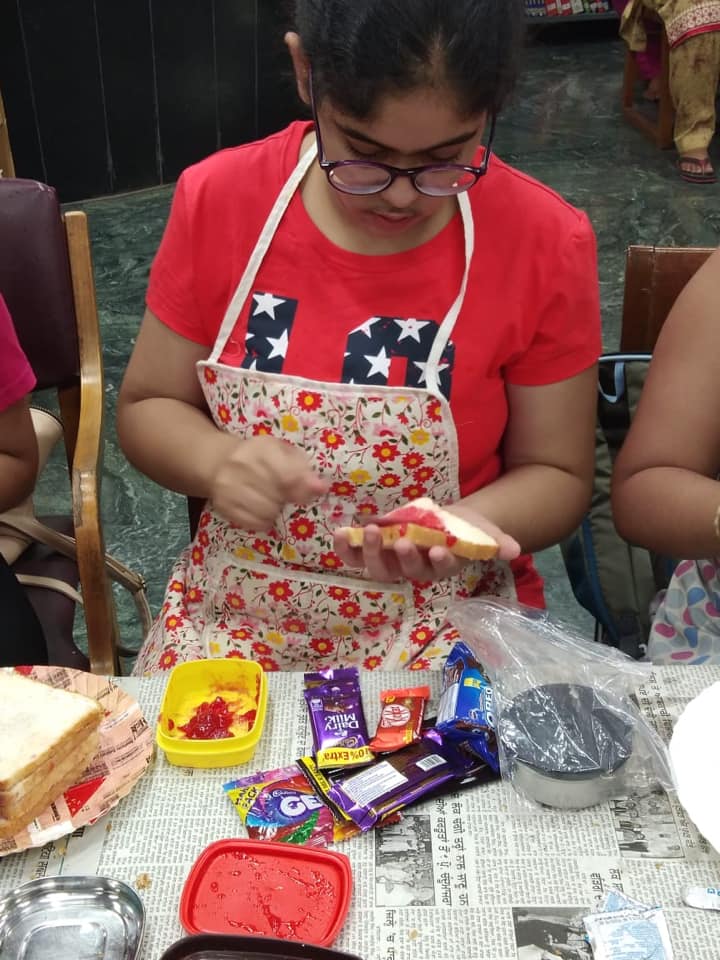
334	702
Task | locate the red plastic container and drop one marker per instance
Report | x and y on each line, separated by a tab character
257	888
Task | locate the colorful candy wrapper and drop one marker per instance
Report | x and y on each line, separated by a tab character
401	718
388	784
282	805
465	710
334	701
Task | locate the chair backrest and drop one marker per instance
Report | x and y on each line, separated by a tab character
7	167
36	281
46	279
654	278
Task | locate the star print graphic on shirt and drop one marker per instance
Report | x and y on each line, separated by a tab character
393	351
268	334
383	351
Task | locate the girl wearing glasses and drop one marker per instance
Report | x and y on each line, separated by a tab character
353	313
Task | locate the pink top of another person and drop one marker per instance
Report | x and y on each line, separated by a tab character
16	376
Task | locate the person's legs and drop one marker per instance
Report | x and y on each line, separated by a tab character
21	636
649	60
694	69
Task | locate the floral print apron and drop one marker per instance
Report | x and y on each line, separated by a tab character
284	598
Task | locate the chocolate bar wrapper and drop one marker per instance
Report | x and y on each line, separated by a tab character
401	718
466	707
466	770
390	783
322	786
337	718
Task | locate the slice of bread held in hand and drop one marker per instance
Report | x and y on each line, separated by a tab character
428	525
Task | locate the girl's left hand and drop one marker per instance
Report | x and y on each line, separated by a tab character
405	561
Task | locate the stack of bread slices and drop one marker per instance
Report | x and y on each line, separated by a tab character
48	737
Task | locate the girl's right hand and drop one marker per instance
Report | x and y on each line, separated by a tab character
253	480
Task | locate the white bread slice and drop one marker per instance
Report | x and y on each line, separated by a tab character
64	775
427	525
36	720
14	799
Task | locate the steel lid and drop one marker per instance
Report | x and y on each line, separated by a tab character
566	731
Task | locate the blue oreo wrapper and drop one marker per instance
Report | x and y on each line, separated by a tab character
466	709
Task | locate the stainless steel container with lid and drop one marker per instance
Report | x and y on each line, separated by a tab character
64	918
565	746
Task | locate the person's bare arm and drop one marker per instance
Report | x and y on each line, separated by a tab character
549	455
665	493
166	431
163	423
18	455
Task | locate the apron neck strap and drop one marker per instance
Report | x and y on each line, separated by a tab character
268	232
432	370
261	248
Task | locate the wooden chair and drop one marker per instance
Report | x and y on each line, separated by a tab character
654	278
659	131
46	278
7	167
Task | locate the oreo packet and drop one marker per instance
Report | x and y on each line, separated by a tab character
337	718
466	711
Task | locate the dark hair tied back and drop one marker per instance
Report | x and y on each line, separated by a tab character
361	50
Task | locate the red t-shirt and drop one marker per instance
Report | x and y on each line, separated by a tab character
16	376
530	316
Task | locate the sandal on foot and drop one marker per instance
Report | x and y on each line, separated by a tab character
698	172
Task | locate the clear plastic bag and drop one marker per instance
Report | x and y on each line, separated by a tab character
569	734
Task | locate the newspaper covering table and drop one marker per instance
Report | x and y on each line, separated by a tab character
461	876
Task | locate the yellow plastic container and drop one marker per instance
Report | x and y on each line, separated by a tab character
195	682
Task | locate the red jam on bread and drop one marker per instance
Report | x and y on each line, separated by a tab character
428	525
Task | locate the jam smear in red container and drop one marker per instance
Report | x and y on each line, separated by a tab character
213	720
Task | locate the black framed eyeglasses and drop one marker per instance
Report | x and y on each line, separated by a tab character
362	178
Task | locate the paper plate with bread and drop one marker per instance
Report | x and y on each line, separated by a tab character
72	744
